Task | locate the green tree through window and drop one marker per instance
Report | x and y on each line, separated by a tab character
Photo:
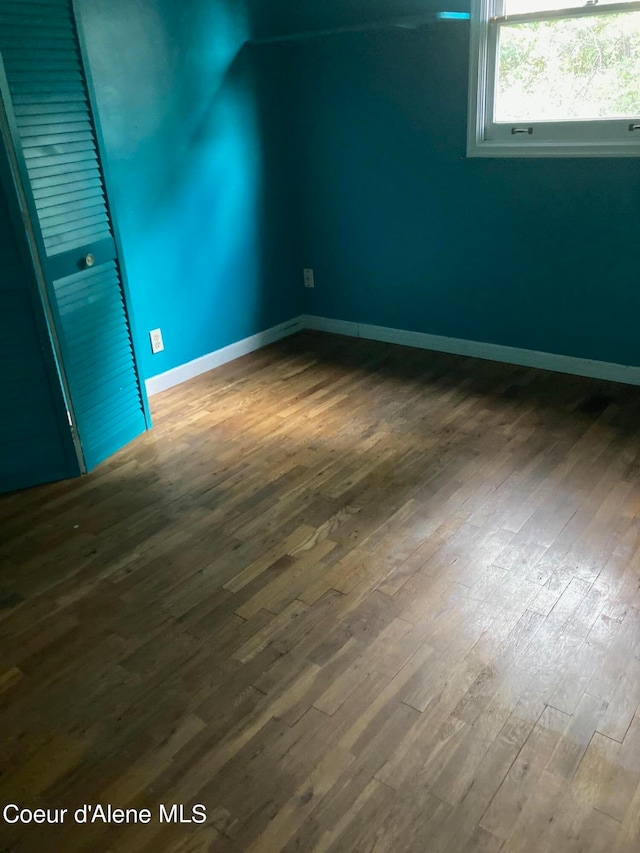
581	68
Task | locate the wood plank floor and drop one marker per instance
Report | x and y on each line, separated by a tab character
349	597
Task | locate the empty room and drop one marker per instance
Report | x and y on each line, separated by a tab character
320	426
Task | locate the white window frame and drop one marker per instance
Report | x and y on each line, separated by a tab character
486	138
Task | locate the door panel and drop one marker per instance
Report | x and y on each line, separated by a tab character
36	444
54	130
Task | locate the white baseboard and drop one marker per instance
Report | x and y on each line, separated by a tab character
336	327
477	349
457	346
187	371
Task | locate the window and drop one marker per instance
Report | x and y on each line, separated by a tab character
552	78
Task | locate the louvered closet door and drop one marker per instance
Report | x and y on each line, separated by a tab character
36	444
54	130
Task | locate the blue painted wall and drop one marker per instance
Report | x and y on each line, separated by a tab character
196	144
292	16
404	231
234	167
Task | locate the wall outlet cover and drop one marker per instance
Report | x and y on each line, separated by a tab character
157	344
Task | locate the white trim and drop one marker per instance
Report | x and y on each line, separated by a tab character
214	359
478	349
572	365
550	149
326	324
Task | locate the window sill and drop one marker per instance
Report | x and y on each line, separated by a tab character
551	149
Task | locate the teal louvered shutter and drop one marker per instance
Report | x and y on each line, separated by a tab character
36	444
56	140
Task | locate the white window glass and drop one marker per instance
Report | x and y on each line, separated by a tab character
571	68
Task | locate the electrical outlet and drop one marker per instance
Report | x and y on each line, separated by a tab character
157	344
309	280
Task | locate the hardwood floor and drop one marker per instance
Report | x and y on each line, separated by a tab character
349	597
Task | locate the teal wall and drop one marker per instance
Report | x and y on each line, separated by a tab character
195	140
270	18
404	231
232	167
